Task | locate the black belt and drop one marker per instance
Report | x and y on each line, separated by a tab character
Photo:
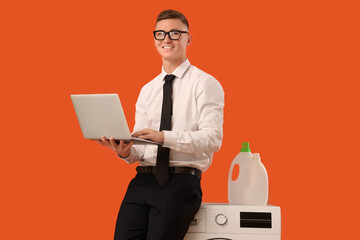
188	170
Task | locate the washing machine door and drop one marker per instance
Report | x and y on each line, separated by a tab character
205	236
219	239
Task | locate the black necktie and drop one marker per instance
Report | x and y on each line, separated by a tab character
162	159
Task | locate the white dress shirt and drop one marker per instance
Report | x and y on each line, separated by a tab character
197	120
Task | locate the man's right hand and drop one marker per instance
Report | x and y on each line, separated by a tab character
122	149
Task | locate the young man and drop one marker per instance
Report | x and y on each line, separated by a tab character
182	108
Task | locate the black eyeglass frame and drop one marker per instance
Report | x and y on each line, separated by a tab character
168	33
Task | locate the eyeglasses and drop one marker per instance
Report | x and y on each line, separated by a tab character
173	34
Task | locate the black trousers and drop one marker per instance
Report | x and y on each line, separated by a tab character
150	211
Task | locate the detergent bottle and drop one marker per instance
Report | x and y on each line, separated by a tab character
237	175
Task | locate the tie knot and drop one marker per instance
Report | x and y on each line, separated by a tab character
169	78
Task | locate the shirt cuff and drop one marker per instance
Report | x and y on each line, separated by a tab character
170	139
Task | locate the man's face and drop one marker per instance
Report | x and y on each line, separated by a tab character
172	50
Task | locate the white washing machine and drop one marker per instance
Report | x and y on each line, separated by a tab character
235	222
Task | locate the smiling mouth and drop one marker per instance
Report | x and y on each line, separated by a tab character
167	47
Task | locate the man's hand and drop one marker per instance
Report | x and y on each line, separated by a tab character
122	149
149	134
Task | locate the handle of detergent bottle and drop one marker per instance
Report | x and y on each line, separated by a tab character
233	164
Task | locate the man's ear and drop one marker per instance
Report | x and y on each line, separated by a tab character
189	40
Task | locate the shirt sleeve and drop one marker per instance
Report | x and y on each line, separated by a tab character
209	97
137	151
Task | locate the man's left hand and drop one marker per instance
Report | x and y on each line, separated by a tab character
149	134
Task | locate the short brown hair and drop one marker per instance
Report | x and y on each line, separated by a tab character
172	14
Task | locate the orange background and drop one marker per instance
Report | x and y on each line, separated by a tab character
290	71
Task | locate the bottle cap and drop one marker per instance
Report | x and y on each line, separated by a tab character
245	147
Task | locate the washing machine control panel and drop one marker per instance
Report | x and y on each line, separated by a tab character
224	221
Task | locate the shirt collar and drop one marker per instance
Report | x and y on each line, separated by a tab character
179	71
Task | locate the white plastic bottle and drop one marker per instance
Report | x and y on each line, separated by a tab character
237	185
256	186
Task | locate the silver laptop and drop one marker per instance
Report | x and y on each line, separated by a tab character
102	115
